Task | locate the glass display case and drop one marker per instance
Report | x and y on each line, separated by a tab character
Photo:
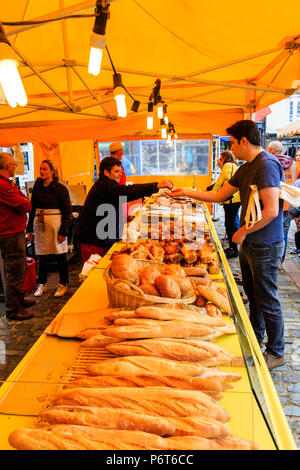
254	410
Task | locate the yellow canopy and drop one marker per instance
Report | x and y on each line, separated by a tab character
216	60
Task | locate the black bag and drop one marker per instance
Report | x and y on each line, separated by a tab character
297	240
209	188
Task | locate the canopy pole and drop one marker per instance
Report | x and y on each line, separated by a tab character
271	65
74	9
90	91
66	53
41	77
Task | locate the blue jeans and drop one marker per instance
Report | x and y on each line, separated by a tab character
259	267
287	218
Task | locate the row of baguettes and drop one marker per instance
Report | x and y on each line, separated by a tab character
158	392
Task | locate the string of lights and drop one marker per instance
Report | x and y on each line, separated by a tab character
10	79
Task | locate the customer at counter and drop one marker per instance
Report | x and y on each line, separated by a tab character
289	169
228	164
13	208
49	224
262	245
101	221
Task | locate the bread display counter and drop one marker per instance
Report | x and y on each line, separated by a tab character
160	375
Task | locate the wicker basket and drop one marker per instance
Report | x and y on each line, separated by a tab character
120	297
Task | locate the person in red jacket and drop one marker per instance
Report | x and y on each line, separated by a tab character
13	208
290	171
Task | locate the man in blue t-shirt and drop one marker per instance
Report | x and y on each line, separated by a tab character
261	246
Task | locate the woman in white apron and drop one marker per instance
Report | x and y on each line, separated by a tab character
48	224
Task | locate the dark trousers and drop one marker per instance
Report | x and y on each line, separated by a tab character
287	219
259	267
13	251
232	221
62	268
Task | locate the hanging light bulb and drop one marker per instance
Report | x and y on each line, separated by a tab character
10	79
97	44
150	116
97	41
160	110
119	95
163	129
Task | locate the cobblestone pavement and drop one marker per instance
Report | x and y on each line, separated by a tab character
16	338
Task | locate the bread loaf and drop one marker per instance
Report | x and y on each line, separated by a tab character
201	443
176	349
72	437
149	289
213	386
144	365
215	297
195	271
200	301
167	287
199	426
124	267
159	401
98	341
202	317
205	281
213	311
185	284
134	321
149	274
108	418
162	329
224	377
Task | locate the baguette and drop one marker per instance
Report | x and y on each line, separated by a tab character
224	377
214	297
177	349
161	329
98	341
120	314
134	321
213	311
195	271
72	437
157	401
202	316
205	281
212	385
199	426
201	443
143	365
108	418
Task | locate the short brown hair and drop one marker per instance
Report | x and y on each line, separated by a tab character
228	156
245	128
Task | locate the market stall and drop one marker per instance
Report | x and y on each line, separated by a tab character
246	409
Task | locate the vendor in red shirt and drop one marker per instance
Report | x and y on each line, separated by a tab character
13	208
116	150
